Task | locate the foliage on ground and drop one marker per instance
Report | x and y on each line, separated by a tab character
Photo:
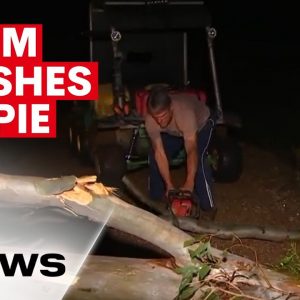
197	277
290	262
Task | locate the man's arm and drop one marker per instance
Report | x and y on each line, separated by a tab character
162	163
190	143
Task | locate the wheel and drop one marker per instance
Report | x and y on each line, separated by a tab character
110	165
225	157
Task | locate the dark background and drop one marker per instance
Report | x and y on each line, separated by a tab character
257	53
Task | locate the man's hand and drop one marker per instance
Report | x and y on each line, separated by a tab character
187	186
169	187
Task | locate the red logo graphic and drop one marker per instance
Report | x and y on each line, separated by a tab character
29	87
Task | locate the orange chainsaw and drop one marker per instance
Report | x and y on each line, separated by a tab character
181	203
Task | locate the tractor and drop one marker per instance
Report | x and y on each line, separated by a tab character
140	44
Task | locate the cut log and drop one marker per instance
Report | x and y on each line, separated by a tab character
223	231
229	231
90	199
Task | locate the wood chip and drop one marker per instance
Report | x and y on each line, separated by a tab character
78	195
100	189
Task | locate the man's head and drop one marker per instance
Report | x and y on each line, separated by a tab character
159	106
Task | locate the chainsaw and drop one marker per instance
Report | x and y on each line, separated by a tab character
181	203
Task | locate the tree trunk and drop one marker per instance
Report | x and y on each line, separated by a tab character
223	231
229	231
124	217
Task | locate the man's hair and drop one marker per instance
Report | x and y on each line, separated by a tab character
158	100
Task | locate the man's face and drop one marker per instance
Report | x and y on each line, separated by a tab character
163	118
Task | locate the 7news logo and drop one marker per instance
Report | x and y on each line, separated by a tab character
50	264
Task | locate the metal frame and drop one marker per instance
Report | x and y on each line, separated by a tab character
132	162
210	31
155	2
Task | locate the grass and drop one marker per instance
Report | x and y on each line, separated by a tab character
290	262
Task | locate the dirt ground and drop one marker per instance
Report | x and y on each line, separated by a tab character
267	194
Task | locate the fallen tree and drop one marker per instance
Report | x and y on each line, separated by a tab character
223	231
229	231
102	276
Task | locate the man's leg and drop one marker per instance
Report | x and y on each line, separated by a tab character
156	185
204	180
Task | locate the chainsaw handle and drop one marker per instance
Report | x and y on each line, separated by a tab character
185	192
179	193
172	192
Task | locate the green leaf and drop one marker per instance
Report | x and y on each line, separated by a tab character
187	293
200	237
187	269
209	253
192	253
185	282
200	251
189	242
196	239
203	271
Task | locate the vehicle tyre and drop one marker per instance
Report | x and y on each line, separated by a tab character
110	165
225	156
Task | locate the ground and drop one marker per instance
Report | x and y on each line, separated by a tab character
267	193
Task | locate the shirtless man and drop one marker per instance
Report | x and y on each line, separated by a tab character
172	122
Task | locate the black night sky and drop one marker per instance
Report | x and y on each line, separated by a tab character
63	24
259	64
